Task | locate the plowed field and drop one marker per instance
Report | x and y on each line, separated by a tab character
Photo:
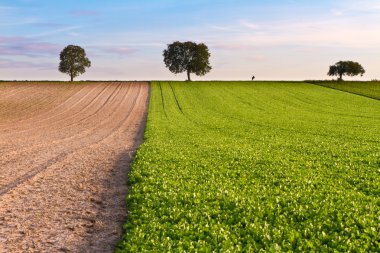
65	151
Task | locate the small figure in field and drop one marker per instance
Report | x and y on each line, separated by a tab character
253	78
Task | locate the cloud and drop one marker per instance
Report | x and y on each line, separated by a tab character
338	12
120	50
336	32
249	25
100	51
220	28
4	8
12	64
257	58
48	24
354	7
233	46
85	13
22	46
28	21
55	31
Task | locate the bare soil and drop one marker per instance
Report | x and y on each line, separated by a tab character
65	151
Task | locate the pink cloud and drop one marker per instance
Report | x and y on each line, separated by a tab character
249	25
121	50
11	64
233	46
258	58
21	46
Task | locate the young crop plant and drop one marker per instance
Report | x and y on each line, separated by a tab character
255	167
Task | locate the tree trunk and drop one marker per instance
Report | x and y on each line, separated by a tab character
340	76
188	75
71	77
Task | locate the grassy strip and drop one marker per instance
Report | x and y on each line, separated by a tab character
243	167
367	89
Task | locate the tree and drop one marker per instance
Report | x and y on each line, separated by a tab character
187	57
348	68
73	61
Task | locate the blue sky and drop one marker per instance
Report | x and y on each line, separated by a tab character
124	39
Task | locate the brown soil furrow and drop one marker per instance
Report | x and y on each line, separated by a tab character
31	102
83	103
54	111
61	156
36	153
58	137
14	90
109	99
8	88
35	133
70	197
16	100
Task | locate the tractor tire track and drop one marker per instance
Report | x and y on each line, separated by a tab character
61	156
66	194
34	151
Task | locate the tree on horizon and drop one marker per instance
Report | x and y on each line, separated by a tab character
187	57
73	61
348	68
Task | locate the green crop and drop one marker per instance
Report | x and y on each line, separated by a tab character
255	166
367	89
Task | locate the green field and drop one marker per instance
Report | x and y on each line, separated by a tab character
367	89
249	166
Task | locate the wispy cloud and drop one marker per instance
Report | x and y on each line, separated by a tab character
4	8
333	32
22	46
84	13
221	28
27	21
16	64
354	7
120	50
249	25
257	58
56	31
109	51
232	46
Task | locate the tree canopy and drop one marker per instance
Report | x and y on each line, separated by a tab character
73	61
187	57
348	68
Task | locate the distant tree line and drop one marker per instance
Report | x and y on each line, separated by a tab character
180	57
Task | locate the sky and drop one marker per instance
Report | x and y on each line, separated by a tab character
125	39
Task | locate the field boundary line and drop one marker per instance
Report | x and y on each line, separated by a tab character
353	93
